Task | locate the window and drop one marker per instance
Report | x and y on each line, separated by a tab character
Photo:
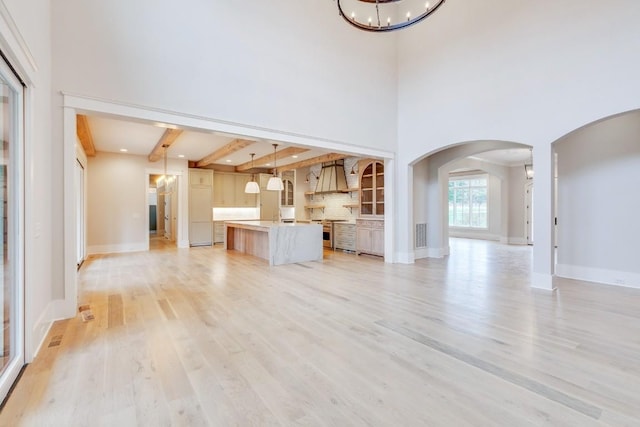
468	201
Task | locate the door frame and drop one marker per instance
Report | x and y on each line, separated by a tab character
180	234
528	215
16	229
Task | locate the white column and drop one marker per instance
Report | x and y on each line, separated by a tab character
543	200
403	205
390	202
70	302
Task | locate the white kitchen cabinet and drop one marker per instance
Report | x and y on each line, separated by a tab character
228	191
372	189
287	195
218	232
200	203
269	200
370	236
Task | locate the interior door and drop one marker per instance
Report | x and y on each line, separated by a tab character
167	216
11	228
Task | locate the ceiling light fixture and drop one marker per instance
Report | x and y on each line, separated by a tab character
275	183
528	167
252	186
386	15
165	178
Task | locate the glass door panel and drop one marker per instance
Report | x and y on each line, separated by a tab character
11	228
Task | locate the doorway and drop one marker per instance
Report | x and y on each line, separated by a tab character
162	207
11	228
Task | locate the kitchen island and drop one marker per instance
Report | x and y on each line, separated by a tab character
278	243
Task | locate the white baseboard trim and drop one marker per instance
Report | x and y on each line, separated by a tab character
599	275
471	235
542	281
517	240
117	248
431	252
39	332
405	258
55	310
183	244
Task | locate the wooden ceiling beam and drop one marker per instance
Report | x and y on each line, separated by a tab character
84	135
270	158
168	137
232	147
313	161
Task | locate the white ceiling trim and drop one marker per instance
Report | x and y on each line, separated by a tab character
85	104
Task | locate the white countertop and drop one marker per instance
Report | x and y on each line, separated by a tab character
268	224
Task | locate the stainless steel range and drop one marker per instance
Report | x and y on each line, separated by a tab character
327	234
327	231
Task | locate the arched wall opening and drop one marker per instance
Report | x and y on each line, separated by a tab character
598	177
430	195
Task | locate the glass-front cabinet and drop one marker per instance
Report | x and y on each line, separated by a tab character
372	189
287	194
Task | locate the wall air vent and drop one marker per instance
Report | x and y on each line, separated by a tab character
421	235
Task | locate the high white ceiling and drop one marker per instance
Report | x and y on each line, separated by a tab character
114	135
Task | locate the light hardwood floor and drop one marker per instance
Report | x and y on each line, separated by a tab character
203	337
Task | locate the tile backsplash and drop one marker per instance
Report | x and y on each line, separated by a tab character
334	202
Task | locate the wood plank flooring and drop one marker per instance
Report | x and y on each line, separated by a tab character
201	336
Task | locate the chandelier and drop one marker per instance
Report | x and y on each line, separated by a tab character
386	15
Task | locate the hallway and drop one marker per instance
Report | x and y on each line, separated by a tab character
200	336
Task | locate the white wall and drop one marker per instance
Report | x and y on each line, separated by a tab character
25	40
117	201
288	65
517	233
528	72
598	202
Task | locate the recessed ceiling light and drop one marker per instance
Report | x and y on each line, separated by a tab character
165	125
124	150
181	156
228	160
295	157
268	164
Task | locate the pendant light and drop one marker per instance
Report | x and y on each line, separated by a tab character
167	190
252	186
275	183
